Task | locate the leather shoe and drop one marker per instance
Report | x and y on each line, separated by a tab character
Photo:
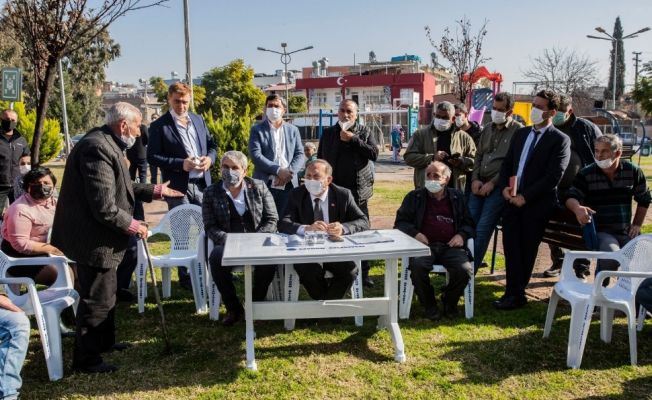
553	271
510	303
433	313
121	346
100	368
367	282
231	318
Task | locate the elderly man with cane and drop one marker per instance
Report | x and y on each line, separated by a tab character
92	226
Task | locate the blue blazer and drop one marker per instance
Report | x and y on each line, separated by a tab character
262	148
166	150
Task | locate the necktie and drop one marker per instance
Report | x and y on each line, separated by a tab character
534	143
317	211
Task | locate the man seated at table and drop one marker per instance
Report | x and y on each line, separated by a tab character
237	204
438	217
319	205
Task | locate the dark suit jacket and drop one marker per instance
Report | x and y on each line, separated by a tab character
166	151
217	217
341	208
543	170
96	202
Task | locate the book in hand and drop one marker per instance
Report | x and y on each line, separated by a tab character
513	182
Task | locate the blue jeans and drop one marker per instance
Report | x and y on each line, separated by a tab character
610	242
485	211
14	336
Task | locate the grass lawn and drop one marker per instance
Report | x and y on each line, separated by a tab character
494	356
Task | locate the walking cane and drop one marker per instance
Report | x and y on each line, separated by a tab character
168	347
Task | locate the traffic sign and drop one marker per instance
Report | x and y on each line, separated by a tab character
11	84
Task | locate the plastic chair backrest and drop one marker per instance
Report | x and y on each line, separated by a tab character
636	256
183	225
477	115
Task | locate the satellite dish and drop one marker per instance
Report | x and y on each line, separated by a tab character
372	57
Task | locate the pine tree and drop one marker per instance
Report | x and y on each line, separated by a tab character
620	71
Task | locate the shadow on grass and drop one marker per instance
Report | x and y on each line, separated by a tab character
634	389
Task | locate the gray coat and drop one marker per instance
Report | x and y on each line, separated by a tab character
96	202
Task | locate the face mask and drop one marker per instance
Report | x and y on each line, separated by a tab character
129	140
434	186
498	117
345	125
230	177
441	124
274	114
604	164
314	187
459	121
40	191
24	169
7	125
536	116
559	118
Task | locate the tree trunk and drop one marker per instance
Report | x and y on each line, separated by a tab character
41	111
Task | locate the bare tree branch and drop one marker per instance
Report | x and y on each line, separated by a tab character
562	70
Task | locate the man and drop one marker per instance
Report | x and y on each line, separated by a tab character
137	156
153	171
534	164
320	205
310	153
441	142
276	151
183	148
13	146
486	202
603	192
395	136
93	223
351	149
437	216
462	122
14	338
582	134
237	204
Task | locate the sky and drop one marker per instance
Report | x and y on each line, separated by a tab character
152	40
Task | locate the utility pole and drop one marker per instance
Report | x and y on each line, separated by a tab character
637	60
186	24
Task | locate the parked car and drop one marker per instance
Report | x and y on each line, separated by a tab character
628	138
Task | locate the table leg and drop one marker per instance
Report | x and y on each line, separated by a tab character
249	320
391	319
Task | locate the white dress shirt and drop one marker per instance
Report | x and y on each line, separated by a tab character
239	201
190	140
323	202
526	147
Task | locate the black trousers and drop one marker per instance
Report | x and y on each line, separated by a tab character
522	233
95	328
223	278
312	278
457	264
128	264
6	196
363	205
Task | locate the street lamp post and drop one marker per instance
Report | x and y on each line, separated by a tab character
285	59
615	42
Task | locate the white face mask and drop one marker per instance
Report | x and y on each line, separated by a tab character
498	117
536	116
441	124
314	187
459	121
274	114
128	139
345	125
24	169
604	164
434	186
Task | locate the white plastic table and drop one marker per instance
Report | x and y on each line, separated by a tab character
247	249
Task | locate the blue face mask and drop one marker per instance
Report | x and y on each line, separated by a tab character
434	186
559	118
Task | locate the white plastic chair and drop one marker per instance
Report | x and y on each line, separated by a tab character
183	225
642	313
406	289
635	266
275	291
292	286
46	305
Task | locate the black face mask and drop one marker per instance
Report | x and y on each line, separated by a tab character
7	125
40	191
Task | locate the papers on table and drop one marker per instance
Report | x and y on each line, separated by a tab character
369	237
